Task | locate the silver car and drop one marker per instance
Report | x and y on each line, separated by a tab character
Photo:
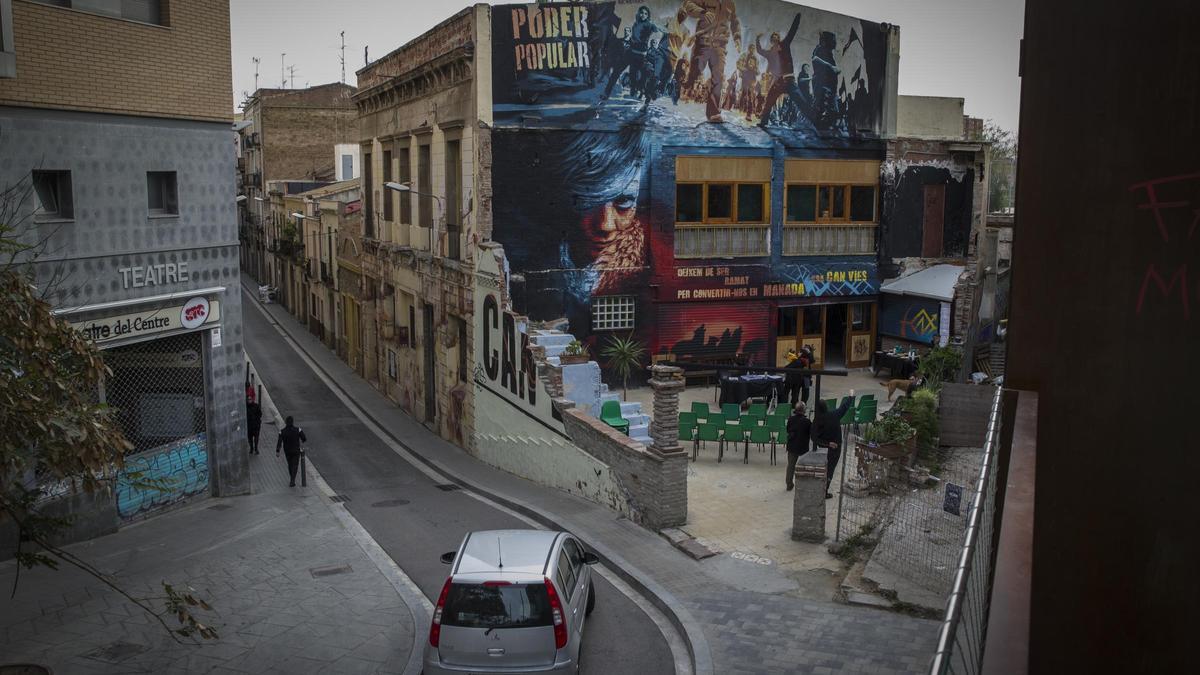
515	602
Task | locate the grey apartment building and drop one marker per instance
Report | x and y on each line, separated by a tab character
116	148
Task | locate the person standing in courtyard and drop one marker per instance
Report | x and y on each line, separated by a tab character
798	429
829	435
290	438
253	422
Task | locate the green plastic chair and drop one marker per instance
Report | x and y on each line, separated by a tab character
777	423
718	419
757	410
731	411
865	398
705	432
700	410
687	419
734	434
762	436
688	433
747	423
831	404
865	414
848	418
610	414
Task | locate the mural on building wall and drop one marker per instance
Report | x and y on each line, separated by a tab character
182	466
915	319
788	69
714	331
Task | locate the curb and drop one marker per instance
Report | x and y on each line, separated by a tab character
658	596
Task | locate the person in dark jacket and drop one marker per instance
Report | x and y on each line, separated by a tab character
253	423
794	381
798	430
829	435
290	438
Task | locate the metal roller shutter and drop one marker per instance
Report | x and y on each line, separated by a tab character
696	329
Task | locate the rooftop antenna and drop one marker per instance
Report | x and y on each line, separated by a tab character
343	56
499	556
255	59
282	71
366	59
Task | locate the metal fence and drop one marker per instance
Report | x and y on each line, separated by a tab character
911	518
156	390
964	629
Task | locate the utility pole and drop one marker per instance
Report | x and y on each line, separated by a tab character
255	60
343	56
282	71
366	59
292	72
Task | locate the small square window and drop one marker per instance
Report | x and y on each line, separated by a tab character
612	312
53	190
162	193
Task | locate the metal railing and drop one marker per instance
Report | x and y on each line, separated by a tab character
718	241
821	239
963	633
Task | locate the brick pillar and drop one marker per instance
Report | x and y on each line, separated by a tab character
667	382
808	504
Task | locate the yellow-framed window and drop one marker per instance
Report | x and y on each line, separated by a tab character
830	203
722	203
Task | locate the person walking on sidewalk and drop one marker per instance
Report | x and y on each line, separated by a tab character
253	423
290	438
829	435
798	429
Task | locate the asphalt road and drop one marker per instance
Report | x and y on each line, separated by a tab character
618	637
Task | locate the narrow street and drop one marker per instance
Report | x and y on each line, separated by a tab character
406	512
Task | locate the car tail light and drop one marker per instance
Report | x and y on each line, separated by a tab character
493	584
435	628
560	622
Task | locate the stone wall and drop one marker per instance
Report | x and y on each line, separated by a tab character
963	411
656	482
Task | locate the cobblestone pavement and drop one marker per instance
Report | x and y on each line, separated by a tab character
292	590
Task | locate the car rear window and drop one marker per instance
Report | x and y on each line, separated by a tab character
497	606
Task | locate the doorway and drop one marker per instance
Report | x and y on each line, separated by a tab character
430	363
835	336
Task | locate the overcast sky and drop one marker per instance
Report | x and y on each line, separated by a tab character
962	48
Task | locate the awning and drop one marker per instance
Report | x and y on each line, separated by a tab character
935	283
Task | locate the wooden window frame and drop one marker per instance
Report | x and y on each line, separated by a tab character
732	221
819	220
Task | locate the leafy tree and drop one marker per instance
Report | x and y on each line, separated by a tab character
53	433
1002	167
624	355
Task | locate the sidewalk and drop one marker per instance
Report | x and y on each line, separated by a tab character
731	625
292	587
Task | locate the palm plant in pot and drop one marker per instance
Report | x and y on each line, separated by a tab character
623	354
574	352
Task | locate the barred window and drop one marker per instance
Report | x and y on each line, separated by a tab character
613	312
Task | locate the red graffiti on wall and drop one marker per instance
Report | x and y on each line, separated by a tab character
1175	203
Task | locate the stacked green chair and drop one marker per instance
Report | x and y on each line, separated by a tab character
687	419
848	418
866	413
831	404
865	398
610	414
700	410
705	432
758	410
734	434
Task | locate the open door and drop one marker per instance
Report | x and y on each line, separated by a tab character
860	334
812	331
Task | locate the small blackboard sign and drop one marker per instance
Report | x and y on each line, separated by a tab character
953	499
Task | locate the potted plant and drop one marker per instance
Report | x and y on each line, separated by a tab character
891	437
623	354
575	352
939	365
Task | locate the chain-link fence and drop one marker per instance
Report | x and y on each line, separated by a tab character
911	514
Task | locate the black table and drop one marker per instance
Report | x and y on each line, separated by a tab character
900	366
740	388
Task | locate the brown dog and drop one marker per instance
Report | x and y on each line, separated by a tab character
906	386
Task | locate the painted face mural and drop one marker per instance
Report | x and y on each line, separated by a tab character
606	63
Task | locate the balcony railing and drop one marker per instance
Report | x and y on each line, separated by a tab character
721	241
829	239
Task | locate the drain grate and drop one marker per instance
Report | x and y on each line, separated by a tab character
220	507
116	652
448	487
329	571
390	502
339	499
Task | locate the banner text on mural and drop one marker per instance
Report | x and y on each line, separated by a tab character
567	26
